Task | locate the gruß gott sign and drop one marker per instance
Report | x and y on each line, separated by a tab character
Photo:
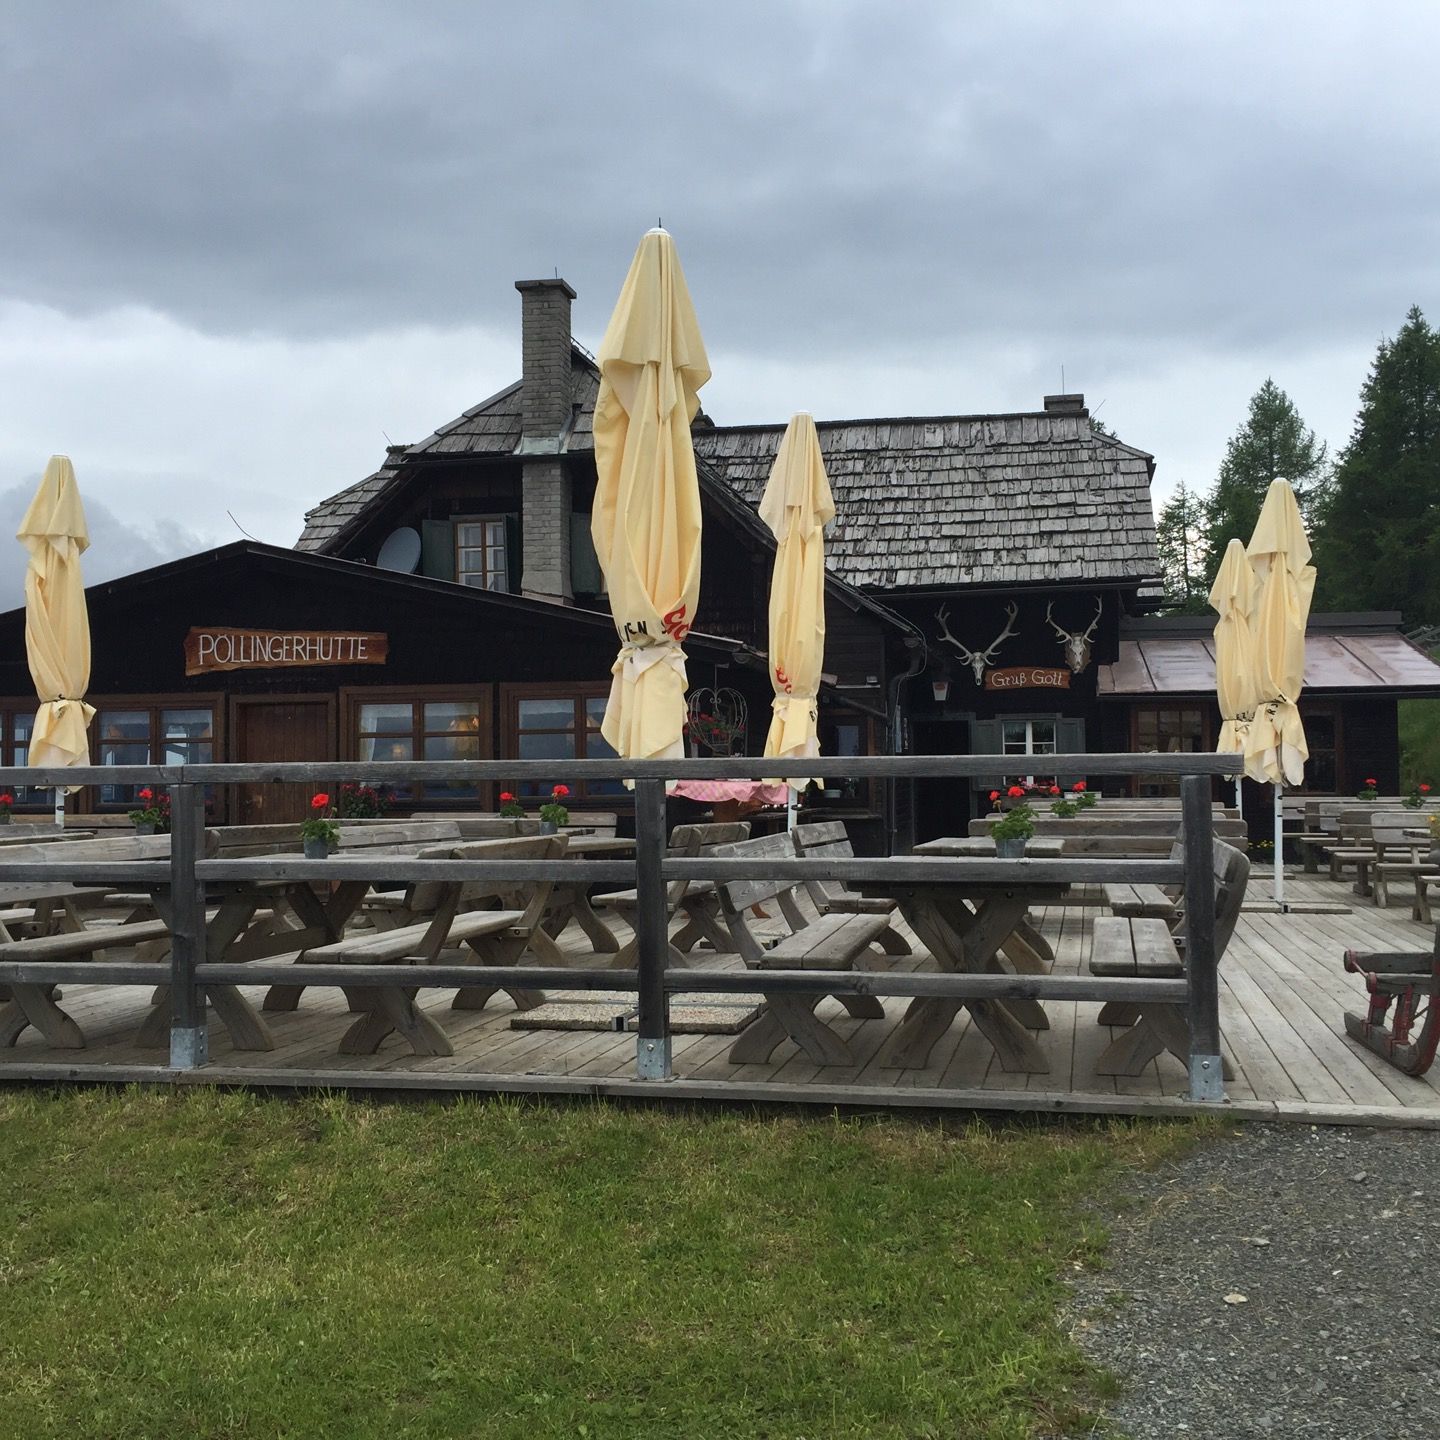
208	649
1027	677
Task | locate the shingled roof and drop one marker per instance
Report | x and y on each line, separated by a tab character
929	502
1020	499
490	428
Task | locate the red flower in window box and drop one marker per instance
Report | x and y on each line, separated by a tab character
1016	792
510	807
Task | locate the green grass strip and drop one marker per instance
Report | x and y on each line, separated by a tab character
222	1265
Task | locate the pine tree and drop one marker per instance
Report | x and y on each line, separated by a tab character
1272	444
1180	538
1379	544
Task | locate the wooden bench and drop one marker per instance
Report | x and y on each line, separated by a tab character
497	920
827	839
831	942
1147	947
1399	854
36	1004
1139	901
694	901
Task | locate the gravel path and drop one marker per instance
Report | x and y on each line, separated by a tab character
1332	1238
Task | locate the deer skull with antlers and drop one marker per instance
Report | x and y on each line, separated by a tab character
1077	645
977	660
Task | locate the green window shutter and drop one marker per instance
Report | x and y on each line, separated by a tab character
985	740
437	549
514	558
585	578
1069	740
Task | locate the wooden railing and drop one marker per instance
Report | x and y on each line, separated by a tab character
187	873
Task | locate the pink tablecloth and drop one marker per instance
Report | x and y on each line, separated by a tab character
742	790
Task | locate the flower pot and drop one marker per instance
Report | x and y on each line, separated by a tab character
144	829
1012	848
549	827
317	848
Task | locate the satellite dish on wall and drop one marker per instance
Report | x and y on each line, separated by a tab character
401	551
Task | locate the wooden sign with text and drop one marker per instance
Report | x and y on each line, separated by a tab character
207	649
1027	677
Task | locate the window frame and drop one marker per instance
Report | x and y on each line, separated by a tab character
416	696
154	704
457	522
578	693
1161	786
9	709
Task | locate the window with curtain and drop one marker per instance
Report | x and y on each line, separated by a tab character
404	729
480	553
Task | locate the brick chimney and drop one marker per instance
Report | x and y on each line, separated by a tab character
1065	405
545	421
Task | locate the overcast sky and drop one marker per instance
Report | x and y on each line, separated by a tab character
240	245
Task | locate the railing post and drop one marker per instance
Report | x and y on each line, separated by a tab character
652	1043
1201	964
189	1034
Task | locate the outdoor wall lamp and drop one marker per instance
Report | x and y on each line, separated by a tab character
940	689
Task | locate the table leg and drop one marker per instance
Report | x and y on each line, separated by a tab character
963	940
34	1005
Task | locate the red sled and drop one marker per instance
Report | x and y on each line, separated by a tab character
1402	1024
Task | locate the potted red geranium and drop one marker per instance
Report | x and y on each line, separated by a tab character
510	807
1016	827
146	818
319	834
553	813
7	804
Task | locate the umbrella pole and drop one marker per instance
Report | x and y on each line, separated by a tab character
60	806
792	807
1279	848
1239	803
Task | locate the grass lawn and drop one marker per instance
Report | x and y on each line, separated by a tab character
212	1264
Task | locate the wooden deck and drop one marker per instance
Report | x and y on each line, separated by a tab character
1282	995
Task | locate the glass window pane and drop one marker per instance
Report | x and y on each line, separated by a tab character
496	581
551	714
21	726
495	532
1042	733
452	747
387	717
452	716
376	747
185	724
472	559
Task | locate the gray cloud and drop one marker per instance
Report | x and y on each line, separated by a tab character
117	547
919	207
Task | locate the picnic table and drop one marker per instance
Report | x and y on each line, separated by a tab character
572	901
966	923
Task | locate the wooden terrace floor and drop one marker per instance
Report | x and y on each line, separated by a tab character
1282	995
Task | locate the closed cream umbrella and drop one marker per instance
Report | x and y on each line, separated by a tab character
1233	596
1279	552
796	506
646	516
57	627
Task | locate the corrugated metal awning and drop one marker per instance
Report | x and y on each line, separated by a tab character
1185	665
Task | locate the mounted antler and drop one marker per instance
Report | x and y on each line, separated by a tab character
977	660
1077	645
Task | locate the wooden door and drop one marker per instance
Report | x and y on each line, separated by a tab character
295	728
